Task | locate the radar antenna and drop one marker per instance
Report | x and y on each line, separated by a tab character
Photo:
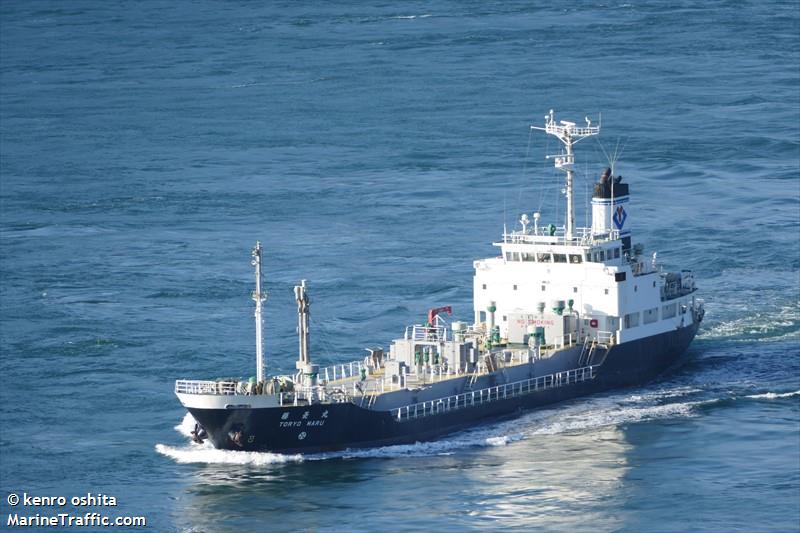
569	134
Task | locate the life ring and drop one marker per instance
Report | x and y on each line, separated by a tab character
593	323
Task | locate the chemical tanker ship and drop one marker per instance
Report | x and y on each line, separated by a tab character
561	312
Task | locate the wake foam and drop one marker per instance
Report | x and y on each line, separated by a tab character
592	420
207	454
476	438
505	440
772	325
186	426
773	395
411	17
663	394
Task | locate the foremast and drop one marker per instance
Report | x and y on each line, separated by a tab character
569	134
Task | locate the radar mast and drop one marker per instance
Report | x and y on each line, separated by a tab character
569	134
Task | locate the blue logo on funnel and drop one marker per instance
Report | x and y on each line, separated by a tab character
619	217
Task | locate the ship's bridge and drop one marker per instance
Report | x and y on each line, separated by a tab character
549	245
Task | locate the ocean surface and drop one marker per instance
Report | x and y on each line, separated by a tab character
377	150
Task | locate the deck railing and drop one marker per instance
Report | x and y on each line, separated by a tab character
606	337
341	371
581	236
193	386
492	394
333	373
421	332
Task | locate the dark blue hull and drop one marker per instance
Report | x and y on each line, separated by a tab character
327	427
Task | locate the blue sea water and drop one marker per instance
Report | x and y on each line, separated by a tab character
377	150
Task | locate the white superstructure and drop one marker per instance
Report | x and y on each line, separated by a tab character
566	284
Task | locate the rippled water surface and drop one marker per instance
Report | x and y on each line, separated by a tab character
377	151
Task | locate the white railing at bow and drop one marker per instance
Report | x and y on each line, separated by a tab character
192	386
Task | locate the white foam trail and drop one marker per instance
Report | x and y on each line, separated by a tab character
551	421
186	426
663	394
769	324
411	17
445	446
505	440
773	395
207	454
590	420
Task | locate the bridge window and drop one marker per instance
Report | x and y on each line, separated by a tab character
528	257
543	288
574	289
515	287
484	286
574	258
508	256
600	256
559	258
588	257
543	258
515	256
616	253
631	320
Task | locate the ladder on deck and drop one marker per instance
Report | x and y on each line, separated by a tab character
368	396
589	346
372	399
472	379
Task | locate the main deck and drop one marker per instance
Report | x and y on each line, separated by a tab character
371	387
